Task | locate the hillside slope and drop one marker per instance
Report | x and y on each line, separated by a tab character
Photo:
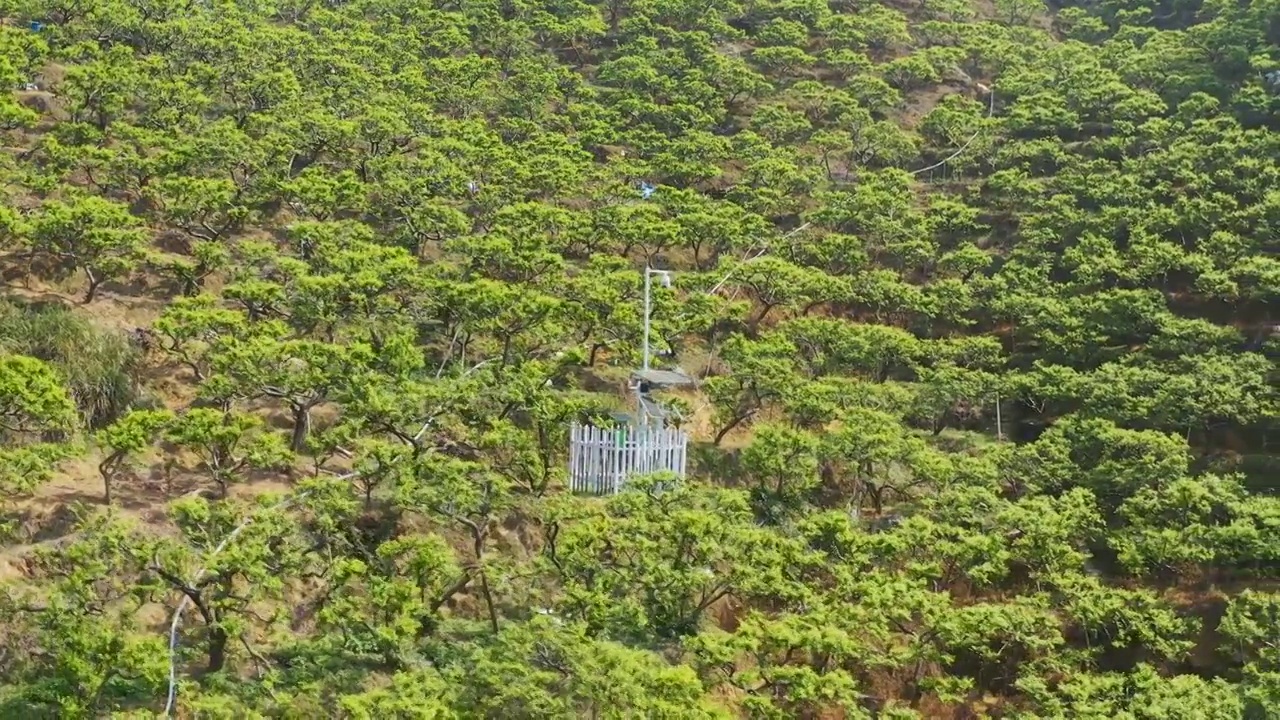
302	299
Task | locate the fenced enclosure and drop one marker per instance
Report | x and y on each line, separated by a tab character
601	460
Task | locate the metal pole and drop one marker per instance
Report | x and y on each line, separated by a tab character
646	317
999	425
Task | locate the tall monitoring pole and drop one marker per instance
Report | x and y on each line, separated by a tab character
648	304
645	366
648	311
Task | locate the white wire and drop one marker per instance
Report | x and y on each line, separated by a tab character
991	109
748	257
186	599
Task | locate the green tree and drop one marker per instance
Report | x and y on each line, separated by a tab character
126	438
79	649
33	398
228	444
95	235
783	463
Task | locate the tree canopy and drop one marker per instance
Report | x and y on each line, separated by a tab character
301	301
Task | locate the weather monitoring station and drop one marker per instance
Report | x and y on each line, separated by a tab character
603	458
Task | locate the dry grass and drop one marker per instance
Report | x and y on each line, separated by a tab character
113	309
920	103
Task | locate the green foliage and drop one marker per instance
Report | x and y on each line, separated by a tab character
980	304
92	234
227	444
574	676
80	646
129	436
33	398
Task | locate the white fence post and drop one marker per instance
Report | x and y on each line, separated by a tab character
601	461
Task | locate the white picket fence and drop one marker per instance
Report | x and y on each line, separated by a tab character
601	460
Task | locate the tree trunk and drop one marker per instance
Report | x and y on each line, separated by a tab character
107	468
728	428
94	284
478	536
217	648
877	499
301	427
488	599
754	325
